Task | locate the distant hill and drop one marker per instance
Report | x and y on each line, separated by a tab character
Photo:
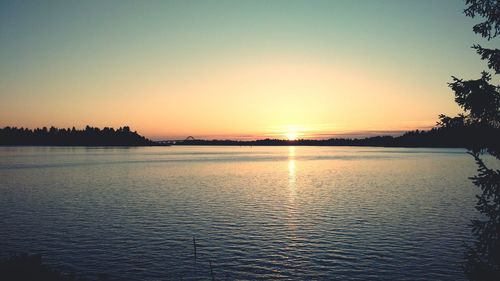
90	136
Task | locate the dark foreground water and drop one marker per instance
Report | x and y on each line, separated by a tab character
298	213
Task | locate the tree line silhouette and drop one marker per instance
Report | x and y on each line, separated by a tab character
90	136
448	133
480	101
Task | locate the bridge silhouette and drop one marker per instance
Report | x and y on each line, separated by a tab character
170	142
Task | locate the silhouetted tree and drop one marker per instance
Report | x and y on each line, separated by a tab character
90	136
480	101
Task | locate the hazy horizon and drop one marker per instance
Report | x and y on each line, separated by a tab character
233	69
317	136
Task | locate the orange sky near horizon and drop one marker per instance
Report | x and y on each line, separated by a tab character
233	69
271	97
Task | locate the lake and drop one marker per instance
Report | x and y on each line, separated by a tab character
257	213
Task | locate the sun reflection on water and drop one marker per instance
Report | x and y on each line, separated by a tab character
292	192
291	167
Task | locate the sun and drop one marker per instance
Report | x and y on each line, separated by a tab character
291	135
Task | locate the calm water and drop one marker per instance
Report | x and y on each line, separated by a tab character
301	213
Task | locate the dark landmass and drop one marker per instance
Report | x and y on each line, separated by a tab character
25	267
453	137
449	136
90	136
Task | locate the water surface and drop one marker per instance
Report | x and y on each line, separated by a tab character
258	213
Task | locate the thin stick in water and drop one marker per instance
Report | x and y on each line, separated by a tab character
194	245
211	271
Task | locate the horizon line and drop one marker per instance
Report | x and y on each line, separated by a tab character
313	136
354	134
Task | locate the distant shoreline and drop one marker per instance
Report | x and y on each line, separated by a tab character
70	145
439	137
290	143
89	136
246	145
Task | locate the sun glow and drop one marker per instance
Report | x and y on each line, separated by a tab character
291	135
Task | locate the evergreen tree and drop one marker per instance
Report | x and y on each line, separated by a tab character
480	100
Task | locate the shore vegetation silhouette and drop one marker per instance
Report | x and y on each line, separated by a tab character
90	136
449	132
480	100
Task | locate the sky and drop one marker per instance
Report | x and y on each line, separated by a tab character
234	69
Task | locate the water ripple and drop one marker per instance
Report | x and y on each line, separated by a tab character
304	213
